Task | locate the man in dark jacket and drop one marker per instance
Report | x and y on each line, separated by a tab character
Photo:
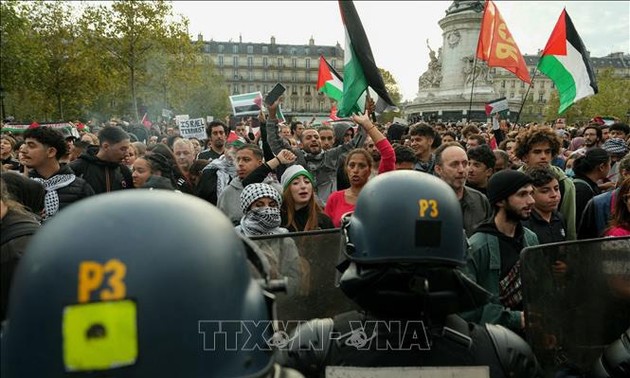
102	167
44	148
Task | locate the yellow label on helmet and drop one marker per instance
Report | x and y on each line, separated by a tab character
428	207
99	335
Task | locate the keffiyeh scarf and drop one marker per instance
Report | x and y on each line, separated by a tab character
51	199
226	170
261	221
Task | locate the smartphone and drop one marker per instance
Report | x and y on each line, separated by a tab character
275	94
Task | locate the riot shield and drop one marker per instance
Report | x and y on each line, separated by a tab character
576	301
308	260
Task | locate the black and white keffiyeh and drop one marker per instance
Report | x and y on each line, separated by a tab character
253	192
51	199
226	171
262	221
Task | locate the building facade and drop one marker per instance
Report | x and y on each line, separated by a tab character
251	67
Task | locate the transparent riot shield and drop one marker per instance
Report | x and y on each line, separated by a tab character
576	301
308	260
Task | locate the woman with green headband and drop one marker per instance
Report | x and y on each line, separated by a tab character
300	210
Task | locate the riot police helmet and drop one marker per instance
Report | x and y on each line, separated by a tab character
136	283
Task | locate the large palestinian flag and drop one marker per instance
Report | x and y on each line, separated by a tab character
359	70
566	63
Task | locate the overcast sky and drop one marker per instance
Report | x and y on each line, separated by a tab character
398	30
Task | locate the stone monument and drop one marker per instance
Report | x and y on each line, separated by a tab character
444	89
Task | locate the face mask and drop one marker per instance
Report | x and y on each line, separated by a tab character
261	220
569	172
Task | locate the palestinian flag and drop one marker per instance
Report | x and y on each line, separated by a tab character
359	71
246	104
497	106
566	63
328	80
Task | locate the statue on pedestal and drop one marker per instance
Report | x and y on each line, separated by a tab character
464	5
481	74
433	76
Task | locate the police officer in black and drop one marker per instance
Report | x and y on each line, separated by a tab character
404	245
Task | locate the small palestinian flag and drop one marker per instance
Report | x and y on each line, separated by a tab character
246	104
497	106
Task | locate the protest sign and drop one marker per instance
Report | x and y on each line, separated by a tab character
192	128
246	104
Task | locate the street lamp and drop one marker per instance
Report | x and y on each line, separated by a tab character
2	94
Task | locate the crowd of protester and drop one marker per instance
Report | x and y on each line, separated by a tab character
518	184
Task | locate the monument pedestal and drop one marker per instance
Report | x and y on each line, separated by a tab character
445	88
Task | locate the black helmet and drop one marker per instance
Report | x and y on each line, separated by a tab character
406	217
136	283
402	244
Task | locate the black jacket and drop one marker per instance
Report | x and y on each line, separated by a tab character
301	217
77	190
103	176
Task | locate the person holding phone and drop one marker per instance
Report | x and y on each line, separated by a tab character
321	164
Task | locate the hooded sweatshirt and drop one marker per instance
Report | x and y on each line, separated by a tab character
103	176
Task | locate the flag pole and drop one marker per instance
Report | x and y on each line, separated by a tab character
525	97
472	87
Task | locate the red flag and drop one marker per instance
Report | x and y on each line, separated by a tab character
333	113
146	122
496	45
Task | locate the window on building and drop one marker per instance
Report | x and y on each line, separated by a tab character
242	88
265	50
220	60
279	62
220	48
512	95
321	106
235	49
292	76
513	83
308	63
522	84
265	62
250	75
502	83
333	63
307	76
293	51
307	51
542	84
265	88
235	74
250	49
250	62
293	105
294	62
235	61
540	98
308	106
553	85
251	88
280	76
279	50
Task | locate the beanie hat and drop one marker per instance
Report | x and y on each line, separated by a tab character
292	173
253	192
615	146
505	183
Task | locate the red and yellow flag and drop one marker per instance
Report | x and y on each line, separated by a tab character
496	45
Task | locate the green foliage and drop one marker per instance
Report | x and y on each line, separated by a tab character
612	100
62	61
394	93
